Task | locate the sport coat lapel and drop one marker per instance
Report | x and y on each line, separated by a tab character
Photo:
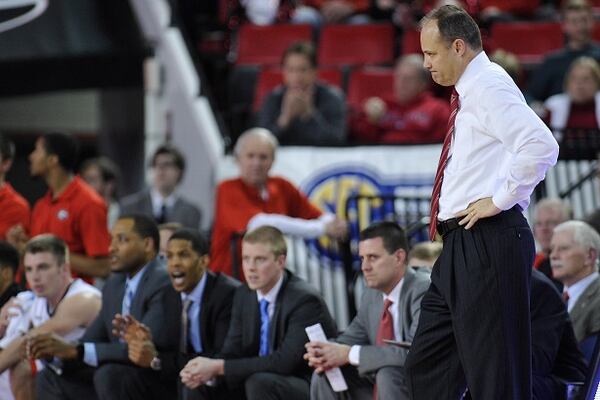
409	276
140	293
274	330
203	320
375	313
586	298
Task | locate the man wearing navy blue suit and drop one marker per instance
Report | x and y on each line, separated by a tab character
98	367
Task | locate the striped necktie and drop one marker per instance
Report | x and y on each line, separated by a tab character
444	158
185	326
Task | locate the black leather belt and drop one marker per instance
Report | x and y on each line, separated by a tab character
444	227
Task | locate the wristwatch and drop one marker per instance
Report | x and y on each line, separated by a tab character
156	364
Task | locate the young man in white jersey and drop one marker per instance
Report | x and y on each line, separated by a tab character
57	304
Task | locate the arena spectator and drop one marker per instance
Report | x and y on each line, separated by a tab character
71	209
57	304
161	201
255	199
577	25
15	209
203	296
412	115
424	254
548	213
98	367
262	353
103	175
574	260
576	108
304	111
260	12
389	310
343	11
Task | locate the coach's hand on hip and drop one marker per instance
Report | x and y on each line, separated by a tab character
481	208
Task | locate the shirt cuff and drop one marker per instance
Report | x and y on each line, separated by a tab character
503	200
89	354
354	355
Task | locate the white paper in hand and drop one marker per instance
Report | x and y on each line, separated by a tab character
334	376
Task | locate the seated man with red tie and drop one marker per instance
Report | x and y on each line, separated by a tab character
262	353
203	300
389	310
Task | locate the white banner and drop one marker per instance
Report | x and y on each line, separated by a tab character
329	175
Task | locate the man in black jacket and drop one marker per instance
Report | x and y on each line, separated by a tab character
205	298
262	354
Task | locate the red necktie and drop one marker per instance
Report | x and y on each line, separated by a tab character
386	325
385	331
565	297
439	175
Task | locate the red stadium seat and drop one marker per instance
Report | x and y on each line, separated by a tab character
269	78
356	45
411	42
264	45
369	82
596	33
529	41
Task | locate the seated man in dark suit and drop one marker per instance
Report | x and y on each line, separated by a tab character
389	310
555	353
161	201
204	296
98	367
262	354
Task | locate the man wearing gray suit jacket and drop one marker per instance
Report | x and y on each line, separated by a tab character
99	367
574	251
389	311
161	201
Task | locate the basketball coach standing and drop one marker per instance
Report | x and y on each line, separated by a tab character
474	328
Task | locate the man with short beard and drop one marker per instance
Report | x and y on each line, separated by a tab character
205	298
98	367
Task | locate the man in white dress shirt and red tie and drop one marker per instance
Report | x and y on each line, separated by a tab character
474	330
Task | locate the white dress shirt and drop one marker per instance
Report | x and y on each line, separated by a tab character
577	289
158	201
394	297
270	296
501	149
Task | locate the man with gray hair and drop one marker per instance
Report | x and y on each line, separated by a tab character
574	259
255	199
548	213
411	115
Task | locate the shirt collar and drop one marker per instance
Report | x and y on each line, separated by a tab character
271	295
579	287
394	295
469	76
158	200
132	283
196	294
68	192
